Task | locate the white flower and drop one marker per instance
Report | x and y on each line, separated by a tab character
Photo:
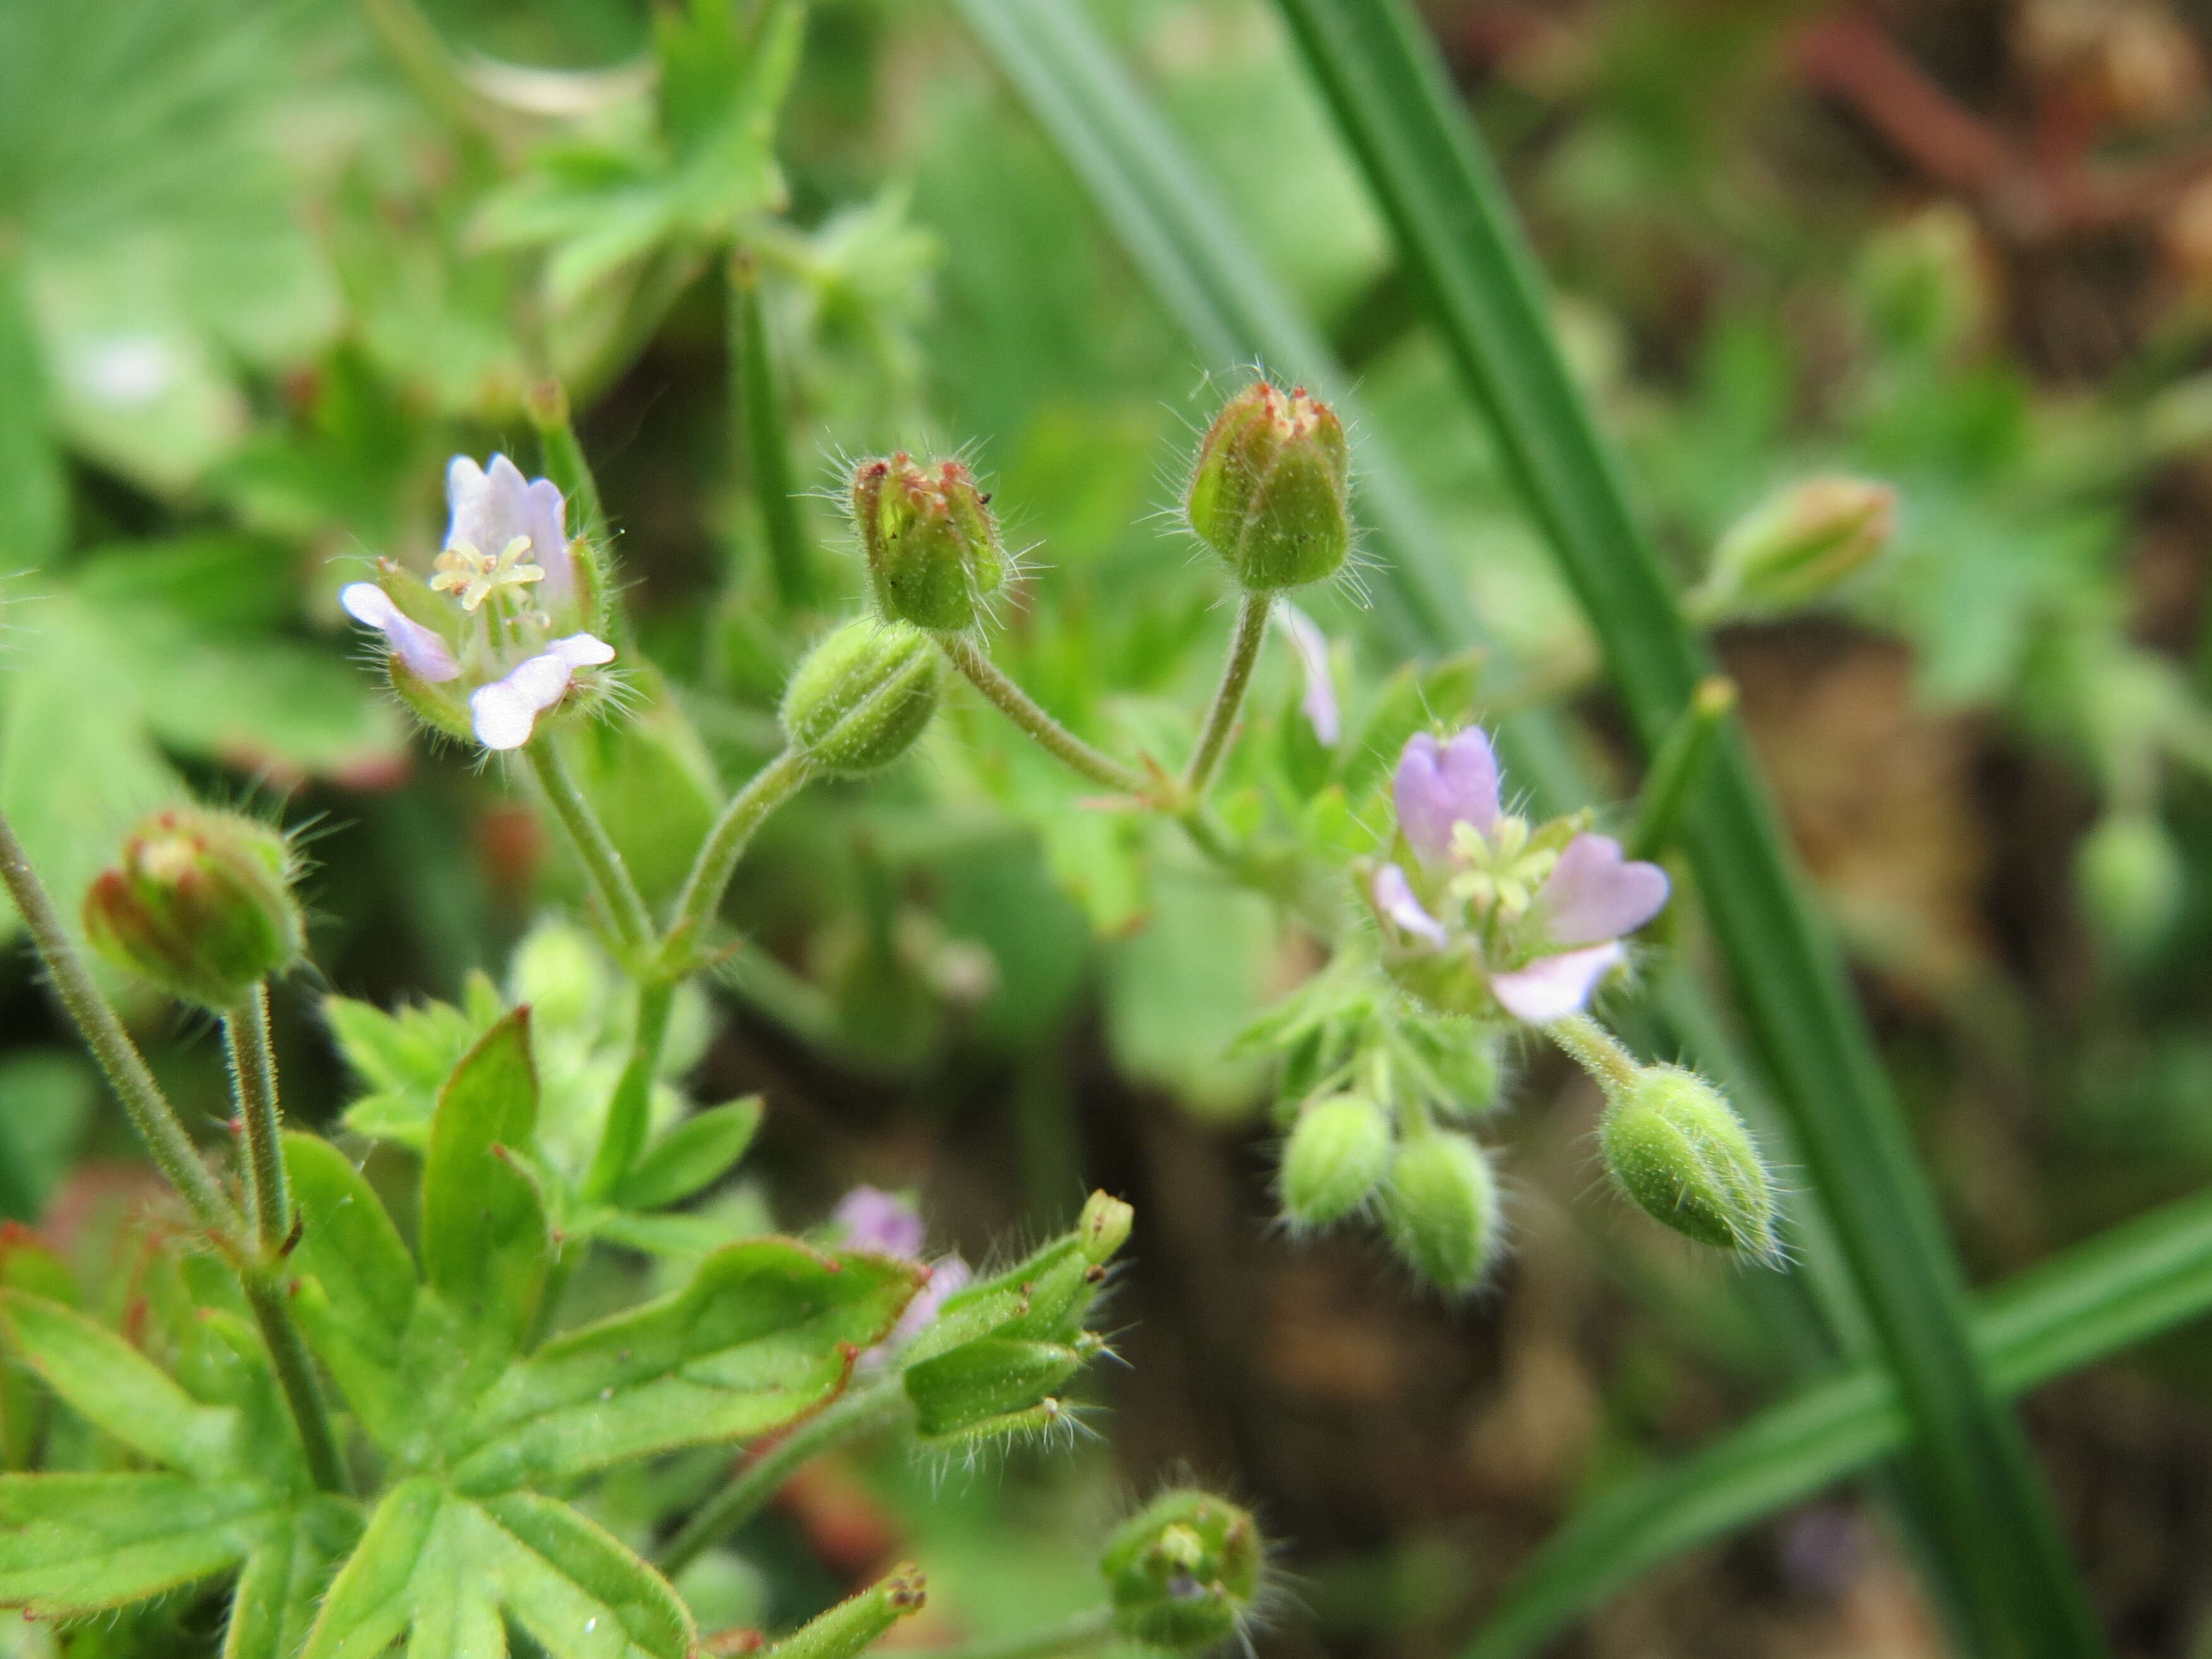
504	712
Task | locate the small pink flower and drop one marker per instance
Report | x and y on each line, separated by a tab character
1438	785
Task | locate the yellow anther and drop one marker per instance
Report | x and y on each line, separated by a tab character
473	577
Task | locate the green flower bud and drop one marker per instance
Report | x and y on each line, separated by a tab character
1677	1149
1440	1208
979	1384
202	905
934	554
863	695
1801	541
1184	1571
2131	880
1337	1154
1271	489
858	1623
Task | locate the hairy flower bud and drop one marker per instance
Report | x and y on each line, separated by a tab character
1270	491
863	695
1676	1148
2131	877
1440	1208
1801	541
933	553
1184	1571
1336	1156
200	904
988	1384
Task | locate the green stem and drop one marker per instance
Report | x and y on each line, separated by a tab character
603	861
1597	1051
1083	1630
253	1077
768	789
149	1110
628	1113
1680	766
265	1293
858	1412
1017	705
761	418
1229	699
564	460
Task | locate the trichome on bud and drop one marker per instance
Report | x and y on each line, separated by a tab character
200	905
1271	489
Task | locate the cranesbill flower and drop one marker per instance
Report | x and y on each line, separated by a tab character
500	634
1318	701
1488	910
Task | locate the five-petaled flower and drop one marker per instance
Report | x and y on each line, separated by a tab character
869	1219
1492	909
502	614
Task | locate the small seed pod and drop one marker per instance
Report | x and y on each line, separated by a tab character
1440	1208
1677	1149
1184	1571
200	905
863	695
980	1383
933	552
1270	492
1802	541
1336	1156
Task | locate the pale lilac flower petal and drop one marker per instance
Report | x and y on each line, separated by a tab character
419	647
1394	897
1440	785
491	508
1319	702
1551	987
1593	894
505	712
870	1219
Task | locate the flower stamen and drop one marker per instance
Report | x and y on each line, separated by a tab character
473	577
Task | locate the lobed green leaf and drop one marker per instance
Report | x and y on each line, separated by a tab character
119	1390
766	1332
355	1286
83	1543
693	1155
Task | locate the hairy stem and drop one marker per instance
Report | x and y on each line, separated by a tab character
1017	706
150	1112
1229	699
748	1494
265	1293
623	1136
1597	1051
1087	1629
603	862
254	1081
768	789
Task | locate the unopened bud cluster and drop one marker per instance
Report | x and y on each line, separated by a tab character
998	1353
200	905
932	551
1271	489
1434	1191
1184	1571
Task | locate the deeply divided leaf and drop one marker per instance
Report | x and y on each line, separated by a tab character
485	1247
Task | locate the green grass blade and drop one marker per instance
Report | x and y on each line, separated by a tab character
2149	1276
1460	238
